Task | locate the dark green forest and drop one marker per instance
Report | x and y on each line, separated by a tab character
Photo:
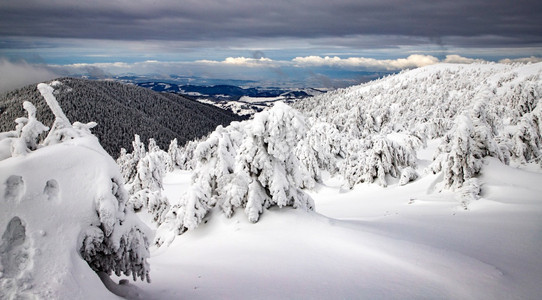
121	110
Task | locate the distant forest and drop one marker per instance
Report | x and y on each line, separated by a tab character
121	111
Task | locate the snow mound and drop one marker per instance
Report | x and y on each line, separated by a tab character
63	217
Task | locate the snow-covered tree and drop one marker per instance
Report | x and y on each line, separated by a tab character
250	165
321	149
128	161
27	132
526	137
372	159
147	184
113	247
267	166
215	162
458	157
174	153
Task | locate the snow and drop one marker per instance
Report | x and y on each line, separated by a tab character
53	226
411	241
248	99
371	242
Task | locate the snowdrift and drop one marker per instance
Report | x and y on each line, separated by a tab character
63	217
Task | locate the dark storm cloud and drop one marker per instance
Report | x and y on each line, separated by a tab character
498	21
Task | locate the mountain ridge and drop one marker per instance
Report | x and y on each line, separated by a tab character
121	111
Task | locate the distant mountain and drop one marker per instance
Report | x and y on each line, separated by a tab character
239	100
121	110
227	92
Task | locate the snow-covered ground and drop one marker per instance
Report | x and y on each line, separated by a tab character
399	242
62	199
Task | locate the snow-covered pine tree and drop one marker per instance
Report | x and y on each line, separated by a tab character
115	246
174	153
458	156
128	161
215	162
370	160
526	138
146	187
321	149
248	165
269	173
186	156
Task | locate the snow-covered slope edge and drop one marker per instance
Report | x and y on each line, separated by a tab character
62	213
387	241
477	110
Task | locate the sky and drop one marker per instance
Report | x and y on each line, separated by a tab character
318	43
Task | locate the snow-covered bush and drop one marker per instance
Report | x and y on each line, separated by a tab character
469	192
128	161
408	174
25	136
321	149
371	160
459	156
72	192
144	172
250	165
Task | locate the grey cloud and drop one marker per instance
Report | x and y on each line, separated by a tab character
213	19
14	75
258	54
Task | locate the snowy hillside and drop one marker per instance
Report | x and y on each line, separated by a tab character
446	217
421	185
476	110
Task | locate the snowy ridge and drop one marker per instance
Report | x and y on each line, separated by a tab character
479	110
427	100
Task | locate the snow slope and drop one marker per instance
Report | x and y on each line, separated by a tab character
47	263
399	242
414	241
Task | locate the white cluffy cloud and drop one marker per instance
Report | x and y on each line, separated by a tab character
240	61
412	61
523	60
457	59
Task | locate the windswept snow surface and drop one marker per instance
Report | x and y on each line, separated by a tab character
46	263
417	241
399	242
